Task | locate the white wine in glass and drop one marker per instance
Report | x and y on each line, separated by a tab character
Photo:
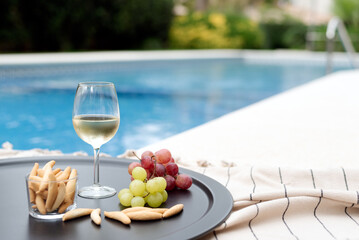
96	118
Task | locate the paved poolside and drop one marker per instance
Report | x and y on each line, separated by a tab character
314	125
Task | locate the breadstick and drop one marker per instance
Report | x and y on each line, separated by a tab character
119	216
40	172
64	206
144	215
173	211
95	216
45	179
71	187
64	175
34	169
34	183
49	164
158	210
51	196
56	171
44	194
32	195
40	204
136	209
60	196
76	213
58	174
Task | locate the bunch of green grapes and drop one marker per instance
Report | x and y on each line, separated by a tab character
140	192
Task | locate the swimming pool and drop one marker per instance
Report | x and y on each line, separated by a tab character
157	98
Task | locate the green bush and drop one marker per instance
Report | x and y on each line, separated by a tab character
41	25
348	11
213	30
284	32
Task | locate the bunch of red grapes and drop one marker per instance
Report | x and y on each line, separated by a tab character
162	164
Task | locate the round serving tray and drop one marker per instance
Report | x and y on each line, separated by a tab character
207	204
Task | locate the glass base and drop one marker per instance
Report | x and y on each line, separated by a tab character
96	192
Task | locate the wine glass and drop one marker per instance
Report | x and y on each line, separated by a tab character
96	118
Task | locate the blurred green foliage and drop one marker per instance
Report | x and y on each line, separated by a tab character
214	30
288	33
348	11
65	25
81	25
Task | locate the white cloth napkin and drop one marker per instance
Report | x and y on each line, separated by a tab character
289	203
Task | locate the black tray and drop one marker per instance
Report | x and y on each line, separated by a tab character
206	204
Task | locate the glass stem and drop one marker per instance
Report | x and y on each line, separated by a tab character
96	176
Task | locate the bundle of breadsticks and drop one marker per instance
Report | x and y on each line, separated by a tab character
51	189
125	216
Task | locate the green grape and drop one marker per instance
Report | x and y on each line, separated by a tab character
154	199
151	186
164	195
124	190
139	173
145	193
137	187
125	199
137	202
161	184
146	198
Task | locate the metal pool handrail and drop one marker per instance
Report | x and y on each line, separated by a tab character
336	24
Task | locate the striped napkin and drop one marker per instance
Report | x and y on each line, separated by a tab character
289	203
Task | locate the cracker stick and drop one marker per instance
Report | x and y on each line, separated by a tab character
34	169
173	211
136	209
64	206
34	183
71	187
95	216
76	213
44	194
32	195
51	196
31	190
58	174
40	204
49	164
60	196
45	179
64	175
119	216
144	215
56	171
40	172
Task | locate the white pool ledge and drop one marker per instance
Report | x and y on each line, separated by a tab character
118	56
314	125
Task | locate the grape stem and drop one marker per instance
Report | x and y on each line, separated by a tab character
153	156
155	162
136	155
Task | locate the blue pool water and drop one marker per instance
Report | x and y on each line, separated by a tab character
157	98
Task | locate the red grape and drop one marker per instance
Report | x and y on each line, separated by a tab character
132	166
171	169
171	182
147	154
160	170
149	173
183	181
147	163
163	156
